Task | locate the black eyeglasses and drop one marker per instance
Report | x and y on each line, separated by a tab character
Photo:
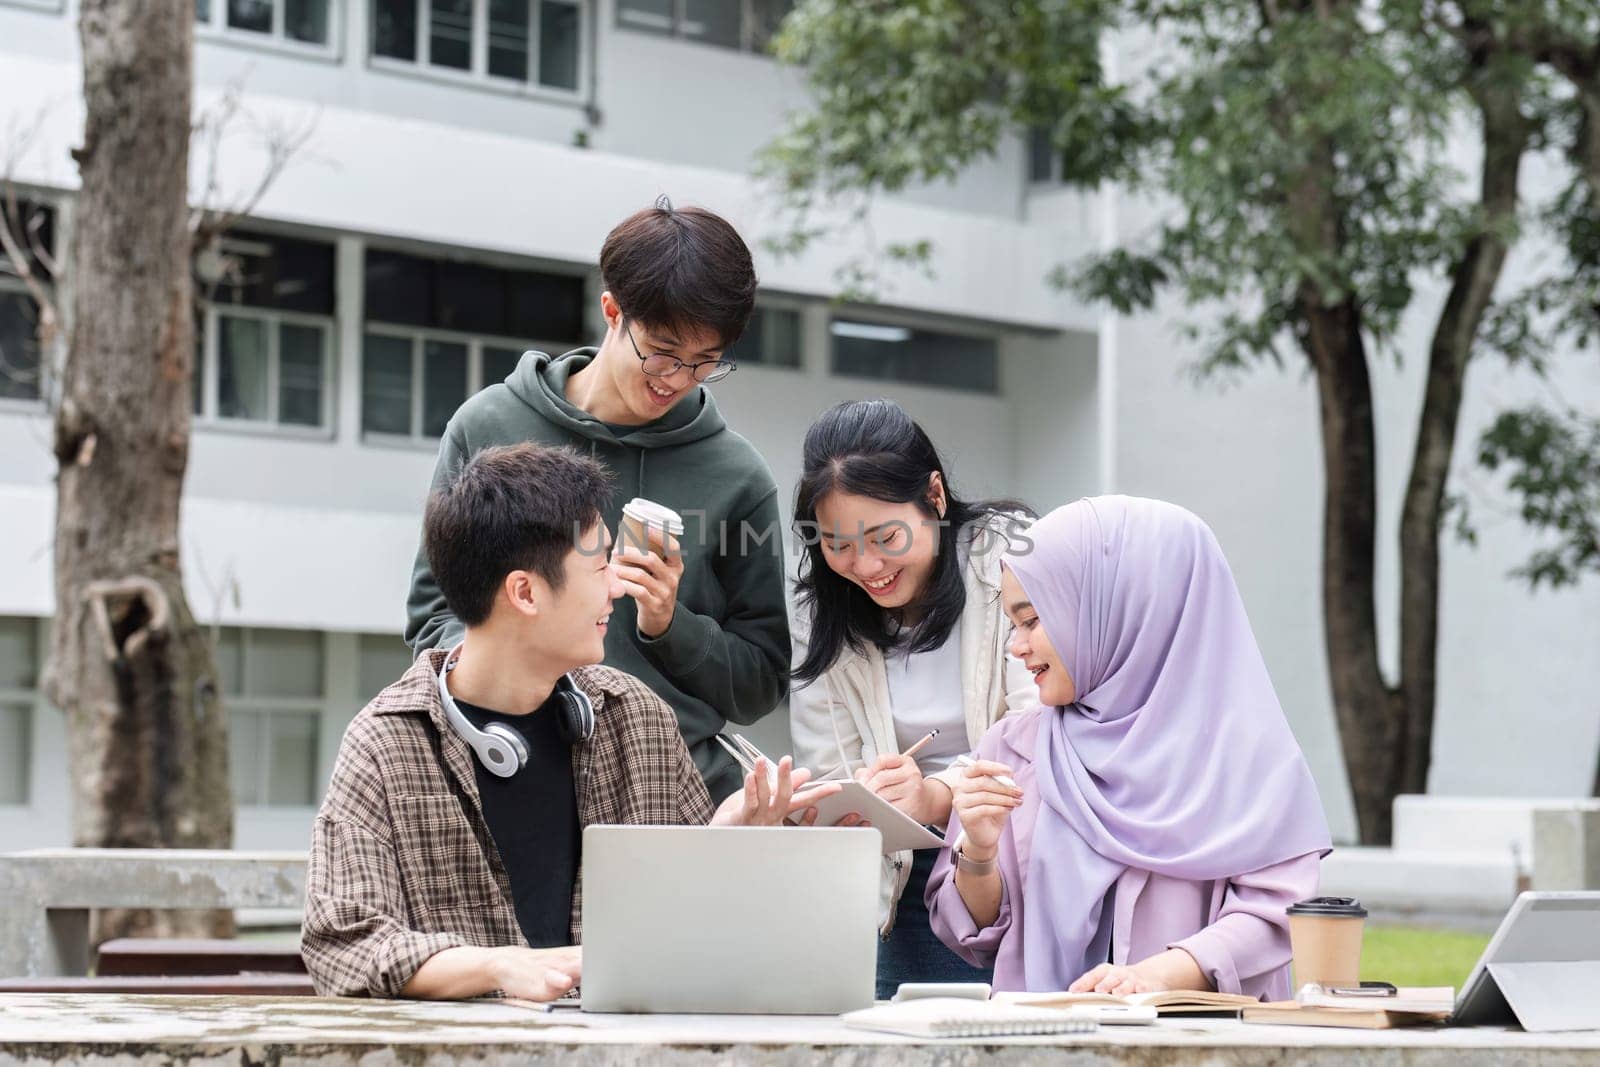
658	366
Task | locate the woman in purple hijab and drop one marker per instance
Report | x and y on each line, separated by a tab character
1163	815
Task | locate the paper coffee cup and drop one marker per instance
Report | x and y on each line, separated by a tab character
639	517
1325	938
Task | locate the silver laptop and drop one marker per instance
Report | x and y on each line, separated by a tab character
1545	960
765	920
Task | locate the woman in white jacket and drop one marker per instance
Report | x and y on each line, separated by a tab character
900	632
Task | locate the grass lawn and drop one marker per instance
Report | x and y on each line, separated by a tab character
1410	956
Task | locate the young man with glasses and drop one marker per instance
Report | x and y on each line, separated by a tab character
704	623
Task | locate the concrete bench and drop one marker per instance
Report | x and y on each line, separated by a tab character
175	956
48	894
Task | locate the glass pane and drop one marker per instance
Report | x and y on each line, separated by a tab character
383	658
546	307
283	663
444	384
292	780
898	353
768	16
394	30
241	368
558	45
245	756
1041	154
450	34
229	653
300	375
252	15
386	384
16	752
498	363
306	20
202	10
472	298
645	15
772	339
19	652
711	21
19	347
399	288
267	271
508	39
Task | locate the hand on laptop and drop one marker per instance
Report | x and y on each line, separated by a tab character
764	802
537	973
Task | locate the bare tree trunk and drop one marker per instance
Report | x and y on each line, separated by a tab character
1365	707
1473	281
129	666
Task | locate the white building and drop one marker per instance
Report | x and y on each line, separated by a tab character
467	159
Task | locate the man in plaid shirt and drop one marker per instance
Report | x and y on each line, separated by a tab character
433	875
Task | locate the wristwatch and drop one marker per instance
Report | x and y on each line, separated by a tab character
978	867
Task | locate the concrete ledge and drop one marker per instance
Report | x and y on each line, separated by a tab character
49	893
1495	825
48	1028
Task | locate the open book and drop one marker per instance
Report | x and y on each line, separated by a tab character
1167	1002
1407	1007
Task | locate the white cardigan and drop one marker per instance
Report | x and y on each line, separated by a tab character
843	720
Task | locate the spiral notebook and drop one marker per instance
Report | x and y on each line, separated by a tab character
952	1017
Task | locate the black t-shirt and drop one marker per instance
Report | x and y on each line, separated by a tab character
533	817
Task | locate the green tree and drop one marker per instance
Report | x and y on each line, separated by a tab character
1302	145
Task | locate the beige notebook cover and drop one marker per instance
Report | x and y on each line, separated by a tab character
1290	1013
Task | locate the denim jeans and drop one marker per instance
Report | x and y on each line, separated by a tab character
911	952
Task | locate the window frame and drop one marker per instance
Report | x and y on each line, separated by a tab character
28	701
419	336
747	24
477	75
210	418
216	29
268	706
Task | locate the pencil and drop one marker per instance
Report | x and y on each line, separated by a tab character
1005	780
916	746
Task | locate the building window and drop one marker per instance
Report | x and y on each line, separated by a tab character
535	43
745	25
771	340
381	660
301	24
437	331
264	337
904	354
272	684
21	361
20	374
19	680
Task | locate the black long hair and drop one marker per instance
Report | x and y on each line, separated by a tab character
872	448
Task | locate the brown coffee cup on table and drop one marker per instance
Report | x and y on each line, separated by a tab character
1325	938
639	517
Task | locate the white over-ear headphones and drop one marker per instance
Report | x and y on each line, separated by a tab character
502	750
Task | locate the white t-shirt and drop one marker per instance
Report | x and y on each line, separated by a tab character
925	693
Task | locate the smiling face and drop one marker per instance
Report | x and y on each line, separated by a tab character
633	347
1032	646
887	549
569	625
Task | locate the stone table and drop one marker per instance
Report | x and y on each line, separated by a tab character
47	1028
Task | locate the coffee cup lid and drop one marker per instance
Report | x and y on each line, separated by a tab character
652	514
1334	907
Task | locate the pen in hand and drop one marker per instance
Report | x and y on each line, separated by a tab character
916	746
1003	779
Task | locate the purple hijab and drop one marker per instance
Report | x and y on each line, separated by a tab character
1176	758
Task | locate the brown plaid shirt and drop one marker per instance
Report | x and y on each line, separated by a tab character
402	864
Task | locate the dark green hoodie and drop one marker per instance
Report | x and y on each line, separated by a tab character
726	655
